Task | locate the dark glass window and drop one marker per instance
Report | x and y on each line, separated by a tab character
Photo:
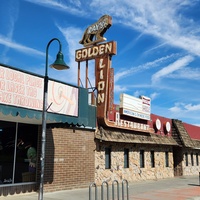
107	158
18	152
186	159
197	159
152	159
142	158
166	159
192	159
126	158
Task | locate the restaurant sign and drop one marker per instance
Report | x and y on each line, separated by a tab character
104	79
135	107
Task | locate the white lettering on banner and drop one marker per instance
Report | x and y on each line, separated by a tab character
101	83
97	26
130	124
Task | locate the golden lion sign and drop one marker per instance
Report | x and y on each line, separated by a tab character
104	75
94	33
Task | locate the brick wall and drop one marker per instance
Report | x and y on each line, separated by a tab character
69	159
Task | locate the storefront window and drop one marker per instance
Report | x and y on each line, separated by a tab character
18	152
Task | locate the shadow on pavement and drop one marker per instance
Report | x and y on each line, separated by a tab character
194	184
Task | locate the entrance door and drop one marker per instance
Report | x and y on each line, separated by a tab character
178	158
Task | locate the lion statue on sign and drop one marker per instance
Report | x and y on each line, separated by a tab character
96	31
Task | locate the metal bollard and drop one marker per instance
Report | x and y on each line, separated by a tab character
90	191
102	190
127	189
113	190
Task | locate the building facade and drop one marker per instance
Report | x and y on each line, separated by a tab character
89	138
135	157
69	137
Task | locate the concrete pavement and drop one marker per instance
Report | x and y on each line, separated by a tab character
179	188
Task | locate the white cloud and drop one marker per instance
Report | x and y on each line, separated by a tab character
180	63
74	8
138	93
19	47
177	108
182	107
190	107
186	73
161	19
10	17
120	89
72	35
148	65
154	95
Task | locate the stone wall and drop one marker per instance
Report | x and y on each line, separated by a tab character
191	169
134	172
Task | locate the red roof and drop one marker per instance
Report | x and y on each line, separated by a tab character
163	121
193	131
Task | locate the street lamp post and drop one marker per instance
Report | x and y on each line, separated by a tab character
59	64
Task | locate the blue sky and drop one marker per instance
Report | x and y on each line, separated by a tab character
158	46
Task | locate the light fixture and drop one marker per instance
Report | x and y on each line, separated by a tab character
59	64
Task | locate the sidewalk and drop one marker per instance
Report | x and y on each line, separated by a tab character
179	188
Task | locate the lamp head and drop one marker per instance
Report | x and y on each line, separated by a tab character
59	63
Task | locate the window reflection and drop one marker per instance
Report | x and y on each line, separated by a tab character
18	152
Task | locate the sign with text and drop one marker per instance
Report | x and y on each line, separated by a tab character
93	52
95	33
26	90
135	107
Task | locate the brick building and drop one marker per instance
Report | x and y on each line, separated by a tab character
69	160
